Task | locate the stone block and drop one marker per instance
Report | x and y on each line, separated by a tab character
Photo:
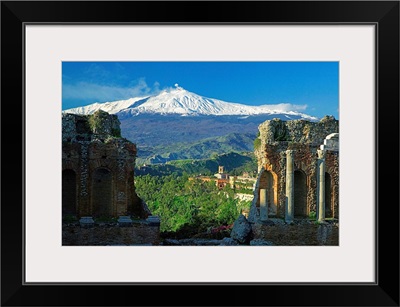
153	220
86	222
124	221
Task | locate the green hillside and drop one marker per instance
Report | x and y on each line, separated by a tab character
202	149
234	163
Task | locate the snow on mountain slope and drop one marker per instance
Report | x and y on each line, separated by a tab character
110	107
183	102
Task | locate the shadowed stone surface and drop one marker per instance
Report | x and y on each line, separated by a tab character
261	242
124	221
86	222
153	220
98	185
303	138
98	168
241	230
139	233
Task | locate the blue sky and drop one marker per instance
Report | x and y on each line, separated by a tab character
312	87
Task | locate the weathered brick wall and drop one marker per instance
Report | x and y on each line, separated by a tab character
304	138
139	233
103	163
332	168
304	234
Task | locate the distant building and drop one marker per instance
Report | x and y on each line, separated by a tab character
243	182
222	179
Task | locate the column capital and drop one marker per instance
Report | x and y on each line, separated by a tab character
289	152
321	153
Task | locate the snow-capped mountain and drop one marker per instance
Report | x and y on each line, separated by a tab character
178	124
109	107
182	102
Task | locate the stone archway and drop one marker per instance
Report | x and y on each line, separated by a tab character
68	192
267	194
300	194
328	196
268	191
102	193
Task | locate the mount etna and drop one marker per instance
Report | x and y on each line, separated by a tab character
177	124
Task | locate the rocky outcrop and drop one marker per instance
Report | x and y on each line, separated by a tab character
100	125
297	131
241	230
278	135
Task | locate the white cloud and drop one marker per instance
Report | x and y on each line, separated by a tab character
101	93
287	107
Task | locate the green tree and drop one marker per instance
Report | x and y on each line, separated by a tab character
187	204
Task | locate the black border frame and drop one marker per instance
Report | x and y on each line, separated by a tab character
383	14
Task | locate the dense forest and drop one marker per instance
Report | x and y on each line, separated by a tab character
188	206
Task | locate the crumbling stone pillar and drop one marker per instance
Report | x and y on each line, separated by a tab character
321	184
263	205
289	204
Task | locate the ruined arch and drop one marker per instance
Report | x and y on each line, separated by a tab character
69	192
269	182
300	194
102	192
328	196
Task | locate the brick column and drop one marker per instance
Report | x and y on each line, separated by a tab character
289	206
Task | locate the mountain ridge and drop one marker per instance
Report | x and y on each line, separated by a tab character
208	147
179	101
177	124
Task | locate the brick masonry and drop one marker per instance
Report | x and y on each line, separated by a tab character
98	168
304	138
140	233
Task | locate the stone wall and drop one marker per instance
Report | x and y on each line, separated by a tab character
298	234
140	233
303	138
98	168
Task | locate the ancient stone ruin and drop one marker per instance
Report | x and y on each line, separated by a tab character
298	164
98	182
98	168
